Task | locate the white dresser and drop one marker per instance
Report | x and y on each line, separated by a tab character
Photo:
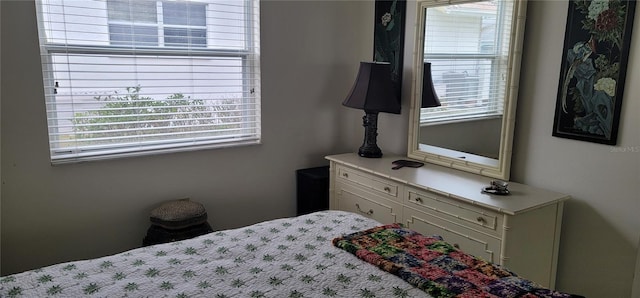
520	231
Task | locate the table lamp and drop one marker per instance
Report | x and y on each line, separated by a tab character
373	92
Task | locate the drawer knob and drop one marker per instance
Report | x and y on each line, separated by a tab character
345	175
481	219
370	212
456	245
387	189
419	200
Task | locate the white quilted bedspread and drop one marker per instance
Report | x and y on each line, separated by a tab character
290	257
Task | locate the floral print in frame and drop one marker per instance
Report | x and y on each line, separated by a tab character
594	65
388	39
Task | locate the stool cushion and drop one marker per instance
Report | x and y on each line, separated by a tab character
178	214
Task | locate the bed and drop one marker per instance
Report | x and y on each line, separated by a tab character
322	254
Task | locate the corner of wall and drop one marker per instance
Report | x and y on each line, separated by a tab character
635	290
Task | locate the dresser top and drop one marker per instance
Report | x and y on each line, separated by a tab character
454	183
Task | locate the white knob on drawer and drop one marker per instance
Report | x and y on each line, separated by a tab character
481	219
456	245
345	175
387	189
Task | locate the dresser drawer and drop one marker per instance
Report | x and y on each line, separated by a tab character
384	187
469	241
353	199
473	217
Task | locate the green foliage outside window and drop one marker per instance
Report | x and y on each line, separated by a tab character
133	114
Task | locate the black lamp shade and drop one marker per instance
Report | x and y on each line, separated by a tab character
373	90
429	96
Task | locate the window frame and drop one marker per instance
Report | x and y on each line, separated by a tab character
249	56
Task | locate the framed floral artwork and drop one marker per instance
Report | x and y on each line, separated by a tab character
388	38
594	66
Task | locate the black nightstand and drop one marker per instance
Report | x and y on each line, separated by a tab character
312	189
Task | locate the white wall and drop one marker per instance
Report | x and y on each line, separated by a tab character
0	144
635	292
601	225
310	55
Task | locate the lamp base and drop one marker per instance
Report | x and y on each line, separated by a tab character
370	152
369	148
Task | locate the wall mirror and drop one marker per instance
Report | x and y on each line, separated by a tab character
468	53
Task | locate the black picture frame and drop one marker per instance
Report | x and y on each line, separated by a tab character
593	71
388	39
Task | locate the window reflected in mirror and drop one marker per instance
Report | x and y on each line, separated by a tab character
468	47
474	49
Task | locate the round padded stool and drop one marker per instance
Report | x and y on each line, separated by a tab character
177	220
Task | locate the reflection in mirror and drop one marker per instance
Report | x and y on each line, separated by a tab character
473	48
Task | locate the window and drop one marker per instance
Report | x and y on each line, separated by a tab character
184	24
132	23
468	46
151	23
135	77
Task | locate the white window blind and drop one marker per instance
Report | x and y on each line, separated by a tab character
135	77
468	45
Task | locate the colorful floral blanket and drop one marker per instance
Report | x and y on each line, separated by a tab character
436	267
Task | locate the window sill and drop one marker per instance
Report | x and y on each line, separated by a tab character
79	158
459	120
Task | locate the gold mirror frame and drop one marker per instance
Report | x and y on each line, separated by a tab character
493	168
